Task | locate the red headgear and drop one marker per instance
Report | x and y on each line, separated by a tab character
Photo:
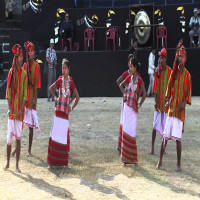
17	50
163	52
29	45
182	51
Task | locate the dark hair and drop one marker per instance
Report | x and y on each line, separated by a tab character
180	37
135	63
134	39
130	56
66	62
153	48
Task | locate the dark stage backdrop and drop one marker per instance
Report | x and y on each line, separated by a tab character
95	73
41	26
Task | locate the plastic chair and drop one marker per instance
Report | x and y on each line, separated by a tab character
70	44
161	32
89	36
76	46
111	35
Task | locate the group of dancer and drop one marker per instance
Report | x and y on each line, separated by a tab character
24	82
172	90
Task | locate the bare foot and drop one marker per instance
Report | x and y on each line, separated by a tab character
18	170
30	154
49	167
152	152
6	167
158	165
124	164
178	169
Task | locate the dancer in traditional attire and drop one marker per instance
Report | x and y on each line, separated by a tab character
16	95
134	86
34	85
178	95
59	141
119	80
161	78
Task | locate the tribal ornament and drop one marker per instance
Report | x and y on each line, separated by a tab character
134	84
65	90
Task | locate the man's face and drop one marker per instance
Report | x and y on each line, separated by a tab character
195	14
52	45
181	59
154	51
132	68
31	53
20	59
135	44
66	17
163	60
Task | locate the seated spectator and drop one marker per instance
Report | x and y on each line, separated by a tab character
194	25
67	30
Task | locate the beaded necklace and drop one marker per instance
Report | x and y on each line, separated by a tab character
134	84
65	90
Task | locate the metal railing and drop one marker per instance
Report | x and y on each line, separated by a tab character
3	46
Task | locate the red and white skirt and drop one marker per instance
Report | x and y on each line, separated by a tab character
128	145
59	143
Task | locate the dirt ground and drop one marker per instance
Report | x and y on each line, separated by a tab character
95	169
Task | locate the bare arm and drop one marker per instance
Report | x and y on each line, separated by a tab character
21	109
144	94
183	104
168	101
9	107
35	96
52	89
156	101
73	97
122	86
49	62
76	96
119	80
